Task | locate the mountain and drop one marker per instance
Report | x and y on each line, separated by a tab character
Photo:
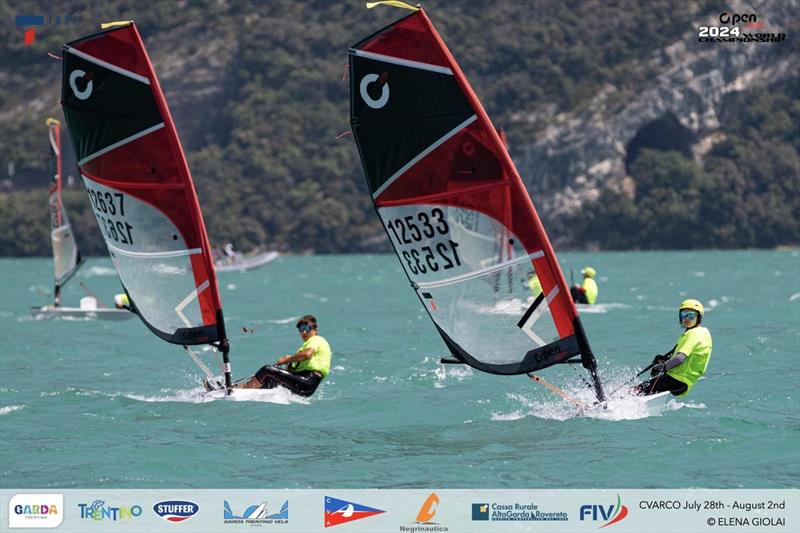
625	128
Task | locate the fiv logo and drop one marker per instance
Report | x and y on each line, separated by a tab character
610	513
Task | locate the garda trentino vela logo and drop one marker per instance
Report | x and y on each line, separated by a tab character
176	510
611	513
341	511
35	510
257	514
424	522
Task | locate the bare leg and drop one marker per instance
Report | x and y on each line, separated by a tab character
251	383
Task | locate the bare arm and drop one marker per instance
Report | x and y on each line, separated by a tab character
297	357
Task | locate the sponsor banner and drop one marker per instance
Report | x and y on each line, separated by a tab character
35	510
430	510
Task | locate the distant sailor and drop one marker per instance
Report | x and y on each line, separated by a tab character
121	301
534	284
308	366
585	293
679	369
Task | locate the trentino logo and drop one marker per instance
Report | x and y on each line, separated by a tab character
176	510
423	523
98	510
341	511
35	510
611	513
256	514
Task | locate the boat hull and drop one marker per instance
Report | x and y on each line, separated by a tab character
247	263
49	312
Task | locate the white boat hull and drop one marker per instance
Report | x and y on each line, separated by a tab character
48	312
246	263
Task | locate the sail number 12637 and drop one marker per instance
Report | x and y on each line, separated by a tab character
424	226
107	205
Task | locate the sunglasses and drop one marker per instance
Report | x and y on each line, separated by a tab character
688	314
304	328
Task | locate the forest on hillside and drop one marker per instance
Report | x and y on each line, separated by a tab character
257	93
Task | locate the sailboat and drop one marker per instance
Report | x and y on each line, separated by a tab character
141	191
455	209
238	262
66	256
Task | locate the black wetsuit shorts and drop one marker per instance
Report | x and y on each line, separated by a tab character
303	383
662	383
578	296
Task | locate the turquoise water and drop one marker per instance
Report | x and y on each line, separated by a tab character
91	404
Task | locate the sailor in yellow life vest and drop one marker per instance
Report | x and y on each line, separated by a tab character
534	284
121	301
678	370
306	367
585	293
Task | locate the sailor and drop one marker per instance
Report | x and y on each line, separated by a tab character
121	301
228	249
307	367
585	293
534	284
678	370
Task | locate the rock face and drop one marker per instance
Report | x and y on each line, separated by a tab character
577	155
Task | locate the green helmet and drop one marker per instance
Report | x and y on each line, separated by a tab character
589	272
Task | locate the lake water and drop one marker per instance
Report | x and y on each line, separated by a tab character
107	404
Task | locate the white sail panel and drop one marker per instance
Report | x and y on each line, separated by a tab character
151	258
473	277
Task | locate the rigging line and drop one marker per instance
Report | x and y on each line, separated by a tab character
556	390
199	362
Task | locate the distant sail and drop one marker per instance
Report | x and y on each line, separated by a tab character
139	184
455	208
66	257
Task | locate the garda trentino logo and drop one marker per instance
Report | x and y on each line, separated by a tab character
35	510
176	510
341	511
98	510
256	515
424	522
610	513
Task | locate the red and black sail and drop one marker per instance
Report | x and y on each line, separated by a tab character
455	208
139	185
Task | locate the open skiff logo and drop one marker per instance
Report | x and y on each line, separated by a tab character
611	513
176	510
375	103
86	92
424	522
341	511
35	510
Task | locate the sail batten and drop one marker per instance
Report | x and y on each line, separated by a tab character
454	206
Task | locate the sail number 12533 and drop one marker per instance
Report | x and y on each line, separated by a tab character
107	205
413	229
